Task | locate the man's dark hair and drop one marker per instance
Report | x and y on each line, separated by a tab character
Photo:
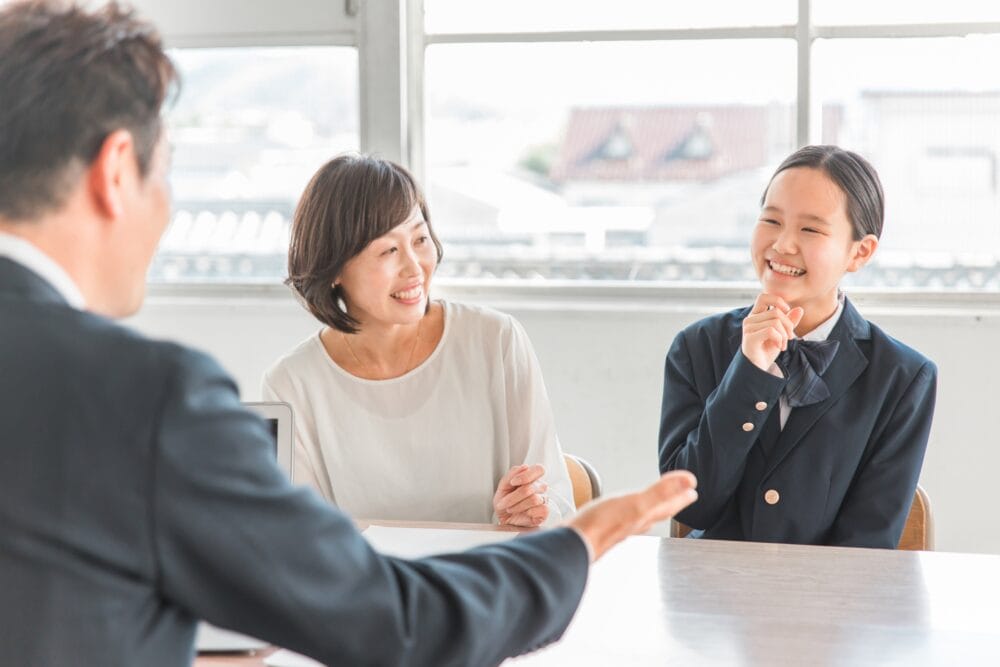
351	201
68	78
854	175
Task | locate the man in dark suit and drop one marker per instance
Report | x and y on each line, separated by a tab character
136	495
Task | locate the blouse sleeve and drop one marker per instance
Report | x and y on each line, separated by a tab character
305	470
530	422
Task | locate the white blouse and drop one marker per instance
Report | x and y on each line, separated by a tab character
432	444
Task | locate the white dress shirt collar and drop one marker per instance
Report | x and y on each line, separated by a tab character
30	257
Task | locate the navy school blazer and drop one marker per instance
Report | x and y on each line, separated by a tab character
841	472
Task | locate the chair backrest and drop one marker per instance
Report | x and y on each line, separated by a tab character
586	482
918	532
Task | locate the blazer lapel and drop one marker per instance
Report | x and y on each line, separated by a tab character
849	363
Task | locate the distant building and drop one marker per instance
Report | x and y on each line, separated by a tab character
666	193
937	154
700	168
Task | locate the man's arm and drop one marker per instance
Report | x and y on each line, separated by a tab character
241	547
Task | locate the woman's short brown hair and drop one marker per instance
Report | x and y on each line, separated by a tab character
351	201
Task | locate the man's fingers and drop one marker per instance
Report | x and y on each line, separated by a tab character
674	482
606	521
669	495
669	507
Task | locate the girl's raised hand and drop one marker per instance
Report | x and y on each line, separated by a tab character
767	328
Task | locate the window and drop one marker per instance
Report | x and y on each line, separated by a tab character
632	141
895	12
927	113
607	159
579	139
249	129
511	16
623	180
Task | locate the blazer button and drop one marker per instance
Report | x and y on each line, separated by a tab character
771	497
748	427
761	406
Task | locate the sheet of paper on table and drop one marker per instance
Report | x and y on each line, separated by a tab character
420	542
285	658
404	543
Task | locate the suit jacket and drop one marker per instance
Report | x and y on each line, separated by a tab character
842	471
136	495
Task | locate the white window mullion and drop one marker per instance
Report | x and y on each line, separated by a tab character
803	101
384	97
415	88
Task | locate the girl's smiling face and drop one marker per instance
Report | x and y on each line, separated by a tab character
804	243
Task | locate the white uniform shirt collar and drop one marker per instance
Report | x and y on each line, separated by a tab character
30	257
822	332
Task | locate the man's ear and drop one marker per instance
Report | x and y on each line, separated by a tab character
113	168
863	251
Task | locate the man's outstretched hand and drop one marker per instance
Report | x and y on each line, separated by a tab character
607	521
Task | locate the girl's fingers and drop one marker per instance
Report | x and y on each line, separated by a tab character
764	332
765	300
771	316
769	337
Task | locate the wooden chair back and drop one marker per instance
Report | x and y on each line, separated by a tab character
918	533
585	480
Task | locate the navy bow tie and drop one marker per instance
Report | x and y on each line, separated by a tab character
803	363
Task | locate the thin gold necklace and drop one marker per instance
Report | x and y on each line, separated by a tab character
364	366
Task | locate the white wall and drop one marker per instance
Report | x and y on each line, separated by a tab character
602	356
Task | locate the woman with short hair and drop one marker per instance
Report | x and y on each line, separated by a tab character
407	407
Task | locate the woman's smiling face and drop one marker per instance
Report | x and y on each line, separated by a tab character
388	282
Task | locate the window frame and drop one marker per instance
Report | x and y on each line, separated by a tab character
391	42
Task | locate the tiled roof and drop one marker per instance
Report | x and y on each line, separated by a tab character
669	143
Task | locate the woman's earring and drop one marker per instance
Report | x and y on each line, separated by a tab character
340	299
